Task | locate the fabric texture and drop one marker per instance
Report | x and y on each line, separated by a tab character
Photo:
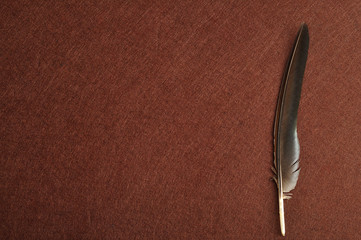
154	119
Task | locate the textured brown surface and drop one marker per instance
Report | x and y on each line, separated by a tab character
141	120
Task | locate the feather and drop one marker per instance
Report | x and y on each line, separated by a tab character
286	145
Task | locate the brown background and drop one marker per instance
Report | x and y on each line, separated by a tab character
139	120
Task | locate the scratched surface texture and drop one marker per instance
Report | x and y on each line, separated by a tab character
153	119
